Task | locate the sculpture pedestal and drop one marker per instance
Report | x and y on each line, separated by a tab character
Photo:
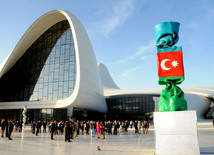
176	133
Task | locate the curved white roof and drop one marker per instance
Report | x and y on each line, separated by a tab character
88	91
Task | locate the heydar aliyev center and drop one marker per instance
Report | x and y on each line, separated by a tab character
53	71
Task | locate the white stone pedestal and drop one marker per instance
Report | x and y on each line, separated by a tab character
176	133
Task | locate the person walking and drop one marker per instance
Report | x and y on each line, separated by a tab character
38	127
10	129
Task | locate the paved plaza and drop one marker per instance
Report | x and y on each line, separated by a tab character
130	143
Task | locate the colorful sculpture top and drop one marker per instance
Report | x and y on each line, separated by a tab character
170	67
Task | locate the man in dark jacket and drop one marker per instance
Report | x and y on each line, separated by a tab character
115	124
135	126
44	126
38	127
10	129
20	125
53	128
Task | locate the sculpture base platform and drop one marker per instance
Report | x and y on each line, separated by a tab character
176	133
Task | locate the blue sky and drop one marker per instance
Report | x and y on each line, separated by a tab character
122	35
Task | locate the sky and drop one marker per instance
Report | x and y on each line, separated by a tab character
122	35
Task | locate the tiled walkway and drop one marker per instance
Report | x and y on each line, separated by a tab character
26	143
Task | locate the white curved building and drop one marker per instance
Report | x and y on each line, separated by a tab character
71	42
53	66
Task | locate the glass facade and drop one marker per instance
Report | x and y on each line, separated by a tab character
122	107
46	71
35	114
129	107
47	114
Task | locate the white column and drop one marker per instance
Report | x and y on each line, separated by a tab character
24	115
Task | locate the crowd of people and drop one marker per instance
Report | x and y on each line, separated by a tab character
71	129
8	126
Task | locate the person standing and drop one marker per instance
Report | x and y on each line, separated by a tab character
131	123
82	127
70	130
144	127
33	127
135	126
3	125
78	127
109	127
92	127
139	126
10	129
115	127
87	127
98	129
148	124
16	125
7	123
20	125
44	126
67	136
53	128
62	127
126	126
103	129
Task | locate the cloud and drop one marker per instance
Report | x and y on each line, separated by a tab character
144	57
140	53
192	25
121	11
127	73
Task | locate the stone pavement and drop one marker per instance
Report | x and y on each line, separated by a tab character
26	143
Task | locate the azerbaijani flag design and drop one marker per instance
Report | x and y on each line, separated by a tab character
170	65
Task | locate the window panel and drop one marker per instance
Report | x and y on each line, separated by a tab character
41	68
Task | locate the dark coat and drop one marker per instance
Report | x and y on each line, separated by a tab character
53	126
10	127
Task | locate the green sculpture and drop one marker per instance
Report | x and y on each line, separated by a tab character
170	67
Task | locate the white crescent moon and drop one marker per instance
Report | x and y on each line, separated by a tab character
163	64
